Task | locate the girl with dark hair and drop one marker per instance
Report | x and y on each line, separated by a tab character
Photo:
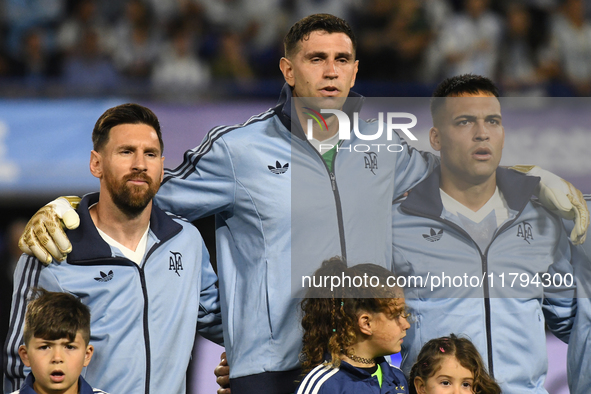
350	328
451	364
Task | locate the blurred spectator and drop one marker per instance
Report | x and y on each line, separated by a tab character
35	62
136	13
259	25
110	10
262	39
520	71
179	70
437	13
230	62
570	53
299	9
393	39
8	66
21	15
167	10
9	255
89	70
135	56
470	40
136	41
85	15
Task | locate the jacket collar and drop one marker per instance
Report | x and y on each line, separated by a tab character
283	109
27	388
425	199
389	376
87	244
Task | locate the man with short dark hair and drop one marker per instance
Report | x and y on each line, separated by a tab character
461	223
144	274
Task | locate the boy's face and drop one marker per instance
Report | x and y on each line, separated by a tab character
56	364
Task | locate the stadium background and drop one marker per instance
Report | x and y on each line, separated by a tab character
202	63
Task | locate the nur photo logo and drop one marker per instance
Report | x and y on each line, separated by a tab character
345	124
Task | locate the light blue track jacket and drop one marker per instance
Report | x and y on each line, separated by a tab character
505	323
276	202
143	318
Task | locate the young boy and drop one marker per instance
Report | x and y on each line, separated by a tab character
56	335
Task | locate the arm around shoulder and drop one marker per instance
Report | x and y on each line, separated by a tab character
202	185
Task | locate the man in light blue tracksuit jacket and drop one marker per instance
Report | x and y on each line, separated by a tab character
475	223
147	307
279	204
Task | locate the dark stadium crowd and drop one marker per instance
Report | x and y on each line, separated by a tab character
209	48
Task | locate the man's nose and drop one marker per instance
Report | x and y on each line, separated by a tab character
481	132
139	163
331	70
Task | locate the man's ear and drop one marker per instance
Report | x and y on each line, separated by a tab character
22	351
356	68
96	164
435	138
88	355
287	70
420	385
365	323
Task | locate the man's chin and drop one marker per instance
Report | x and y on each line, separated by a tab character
134	202
332	102
140	200
318	103
132	209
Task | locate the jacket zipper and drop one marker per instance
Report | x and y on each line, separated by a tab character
484	265
337	199
146	309
146	328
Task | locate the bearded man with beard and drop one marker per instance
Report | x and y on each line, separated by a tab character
144	274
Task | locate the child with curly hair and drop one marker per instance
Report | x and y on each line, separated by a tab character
451	365
349	329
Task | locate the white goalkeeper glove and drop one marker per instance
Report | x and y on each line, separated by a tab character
44	234
563	198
